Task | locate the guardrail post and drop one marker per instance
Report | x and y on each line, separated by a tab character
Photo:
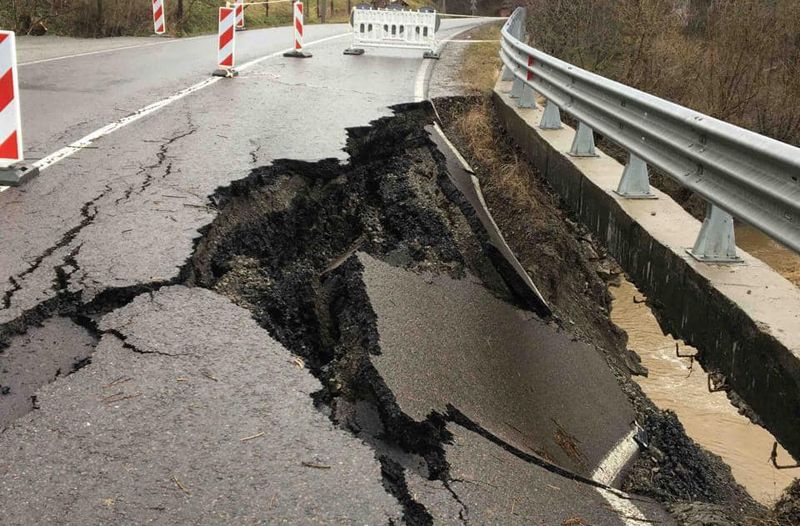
551	117
517	88
716	242
519	33
507	74
528	97
583	144
635	182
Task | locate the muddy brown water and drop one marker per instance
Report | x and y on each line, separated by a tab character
784	261
681	386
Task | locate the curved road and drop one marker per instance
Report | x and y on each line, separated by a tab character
118	214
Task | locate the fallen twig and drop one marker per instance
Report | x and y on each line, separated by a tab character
180	486
316	466
209	376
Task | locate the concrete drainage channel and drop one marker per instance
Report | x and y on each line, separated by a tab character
381	279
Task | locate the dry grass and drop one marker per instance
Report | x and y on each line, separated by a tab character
481	63
475	126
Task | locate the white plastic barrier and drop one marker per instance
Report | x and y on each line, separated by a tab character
393	28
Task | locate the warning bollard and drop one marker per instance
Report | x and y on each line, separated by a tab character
12	172
239	5
298	52
158	17
226	43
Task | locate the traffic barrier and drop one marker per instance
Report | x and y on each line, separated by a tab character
158	17
226	44
394	28
12	172
239	4
738	172
298	52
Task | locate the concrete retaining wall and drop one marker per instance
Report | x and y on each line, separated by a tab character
744	319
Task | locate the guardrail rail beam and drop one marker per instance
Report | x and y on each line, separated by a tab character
752	177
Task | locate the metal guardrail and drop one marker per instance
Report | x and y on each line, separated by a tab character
740	173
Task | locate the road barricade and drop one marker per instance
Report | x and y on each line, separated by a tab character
159	25
298	52
226	43
12	171
239	5
394	28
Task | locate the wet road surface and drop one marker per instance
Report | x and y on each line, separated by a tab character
164	424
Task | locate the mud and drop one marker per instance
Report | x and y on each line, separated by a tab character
558	251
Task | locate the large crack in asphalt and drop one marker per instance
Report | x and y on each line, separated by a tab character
285	246
67	301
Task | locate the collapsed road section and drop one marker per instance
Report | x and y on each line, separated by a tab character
377	274
374	364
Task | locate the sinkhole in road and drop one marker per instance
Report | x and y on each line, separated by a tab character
286	245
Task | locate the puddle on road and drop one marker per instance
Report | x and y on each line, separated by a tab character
784	261
709	418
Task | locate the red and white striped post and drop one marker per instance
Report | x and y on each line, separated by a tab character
226	43
298	52
239	5
12	173
527	98
158	17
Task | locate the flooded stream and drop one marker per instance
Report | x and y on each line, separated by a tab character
780	258
680	385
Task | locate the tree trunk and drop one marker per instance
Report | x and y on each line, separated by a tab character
323	7
98	29
179	17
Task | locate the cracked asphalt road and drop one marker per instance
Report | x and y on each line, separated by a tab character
151	431
173	425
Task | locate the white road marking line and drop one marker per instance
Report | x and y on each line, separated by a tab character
82	143
420	83
616	459
609	469
111	50
628	513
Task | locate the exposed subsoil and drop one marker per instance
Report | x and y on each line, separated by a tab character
283	246
573	272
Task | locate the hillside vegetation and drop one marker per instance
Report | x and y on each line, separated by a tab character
737	60
100	18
